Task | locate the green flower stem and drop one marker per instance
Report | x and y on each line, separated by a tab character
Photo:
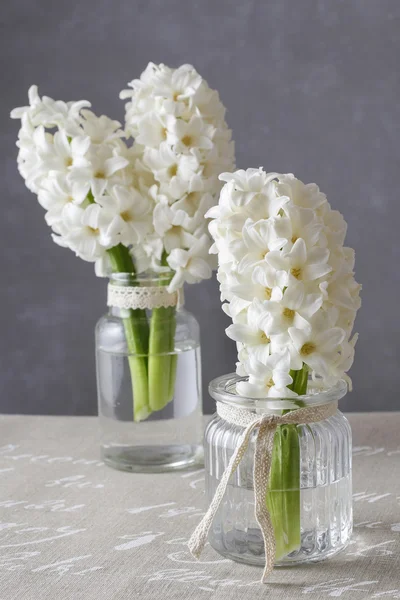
137	339
283	497
162	361
138	367
300	380
174	363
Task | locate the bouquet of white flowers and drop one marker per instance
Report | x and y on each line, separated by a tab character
133	207
288	285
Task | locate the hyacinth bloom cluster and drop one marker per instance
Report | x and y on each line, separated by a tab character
101	191
287	282
134	200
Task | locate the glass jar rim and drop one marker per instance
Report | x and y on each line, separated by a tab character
146	279
223	389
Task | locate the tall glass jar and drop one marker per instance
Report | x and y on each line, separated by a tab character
148	379
310	489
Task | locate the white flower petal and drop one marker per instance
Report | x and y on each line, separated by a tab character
242	333
178	259
298	254
114	164
277	261
299	337
199	268
330	340
80	145
315	271
294	296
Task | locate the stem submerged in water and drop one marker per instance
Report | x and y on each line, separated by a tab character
174	364
283	497
161	357
152	361
137	339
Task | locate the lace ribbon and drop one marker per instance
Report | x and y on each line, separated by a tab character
142	297
266	425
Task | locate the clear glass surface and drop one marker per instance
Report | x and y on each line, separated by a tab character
169	438
324	492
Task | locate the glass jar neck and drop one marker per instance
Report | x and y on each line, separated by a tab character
155	296
146	279
223	389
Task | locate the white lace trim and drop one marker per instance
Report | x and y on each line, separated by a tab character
142	297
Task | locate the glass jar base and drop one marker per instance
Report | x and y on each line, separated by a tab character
249	548
153	459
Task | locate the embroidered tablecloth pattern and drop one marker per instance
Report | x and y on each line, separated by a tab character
73	529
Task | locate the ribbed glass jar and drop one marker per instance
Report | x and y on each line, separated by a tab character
320	506
149	384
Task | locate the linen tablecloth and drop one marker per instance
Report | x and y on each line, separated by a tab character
72	528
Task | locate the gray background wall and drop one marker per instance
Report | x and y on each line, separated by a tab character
311	87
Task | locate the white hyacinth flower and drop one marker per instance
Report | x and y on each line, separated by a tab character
51	113
280	249
291	308
318	348
54	195
179	122
102	163
267	379
124	216
252	332
174	226
79	232
191	265
150	196
300	263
